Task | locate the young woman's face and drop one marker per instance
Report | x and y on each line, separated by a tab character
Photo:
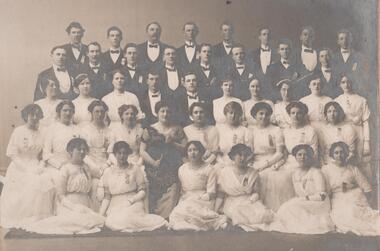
118	81
32	119
284	91
232	117
296	115
263	117
254	88
193	153
164	114
85	87
339	155
240	159
51	89
122	156
227	88
98	113
198	115
315	86
129	116
345	85
302	158
332	115
79	153
66	113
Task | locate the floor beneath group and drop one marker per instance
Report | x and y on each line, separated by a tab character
185	241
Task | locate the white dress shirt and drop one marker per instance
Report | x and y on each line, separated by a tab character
154	98
153	53
206	72
76	51
115	56
309	59
285	63
228	50
191	98
63	79
132	70
345	54
94	70
173	80
326	73
240	68
190	51
265	57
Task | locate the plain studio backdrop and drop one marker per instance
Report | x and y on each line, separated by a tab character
30	28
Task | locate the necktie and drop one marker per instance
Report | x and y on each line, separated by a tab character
240	67
285	62
153	45
262	49
76	46
61	69
205	68
308	50
95	67
131	69
192	97
115	51
189	45
155	95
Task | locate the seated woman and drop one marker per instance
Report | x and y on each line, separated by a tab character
49	103
231	132
98	136
255	89
162	150
267	143
83	85
336	129
58	135
350	191
73	215
124	189
299	132
237	188
195	210
220	103
28	191
309	211
200	131
280	116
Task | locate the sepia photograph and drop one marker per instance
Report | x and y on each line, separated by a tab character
189	125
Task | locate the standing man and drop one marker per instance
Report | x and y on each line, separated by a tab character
76	51
111	59
134	75
329	76
306	57
151	52
222	51
170	73
187	53
60	73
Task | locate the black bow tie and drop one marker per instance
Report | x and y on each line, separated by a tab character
131	69
228	46
308	50
285	62
114	51
262	49
153	45
155	95
170	69
346	51
189	45
192	97
327	70
75	46
95	67
205	68
61	69
240	67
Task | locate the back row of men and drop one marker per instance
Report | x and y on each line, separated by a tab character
211	63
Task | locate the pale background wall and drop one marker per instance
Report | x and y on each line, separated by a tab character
30	28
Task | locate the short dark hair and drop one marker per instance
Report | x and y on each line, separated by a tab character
315	76
75	143
121	145
198	145
309	28
237	45
80	78
197	104
112	73
61	104
263	28
286	41
344	146
152	71
204	45
114	28
161	104
338	108
95	44
129	45
324	48
96	103
154	22
45	82
260	106
308	148
125	107
348	32
56	48
233	105
171	48
304	109
228	24
239	148
31	108
191	23
189	73
74	24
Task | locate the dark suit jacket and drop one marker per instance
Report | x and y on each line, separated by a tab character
347	67
330	88
144	60
221	58
182	104
164	79
297	58
71	60
101	81
208	86
146	109
241	89
182	59
137	84
254	57
49	74
108	64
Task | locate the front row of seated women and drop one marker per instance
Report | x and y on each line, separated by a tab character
95	177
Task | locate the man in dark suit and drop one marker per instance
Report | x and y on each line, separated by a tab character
187	53
284	69
134	75
151	96
241	72
61	73
151	52
222	51
101	82
188	95
76	51
111	59
306	57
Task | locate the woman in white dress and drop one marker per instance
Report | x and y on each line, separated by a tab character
58	135
299	132
124	189
237	196
195	210
28	191
200	131
49	103
98	137
73	215
350	191
267	143
231	132
219	103
336	129
83	85
255	90
309	211
280	117
357	113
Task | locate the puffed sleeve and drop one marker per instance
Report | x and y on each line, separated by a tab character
12	148
211	180
140	178
361	180
365	110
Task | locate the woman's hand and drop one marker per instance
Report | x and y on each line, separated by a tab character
356	121
366	148
157	162
254	197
